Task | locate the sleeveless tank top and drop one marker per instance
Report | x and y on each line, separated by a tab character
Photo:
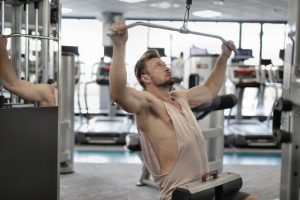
191	159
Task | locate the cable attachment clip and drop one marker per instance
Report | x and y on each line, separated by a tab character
184	28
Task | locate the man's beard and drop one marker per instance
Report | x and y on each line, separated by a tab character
167	84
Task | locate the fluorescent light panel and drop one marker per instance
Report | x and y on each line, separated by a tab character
219	2
164	5
207	13
132	1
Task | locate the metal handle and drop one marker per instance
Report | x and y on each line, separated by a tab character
180	30
279	135
32	36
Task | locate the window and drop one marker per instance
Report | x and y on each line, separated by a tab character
135	47
87	35
273	41
251	40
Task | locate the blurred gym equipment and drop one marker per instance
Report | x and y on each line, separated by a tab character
240	131
112	124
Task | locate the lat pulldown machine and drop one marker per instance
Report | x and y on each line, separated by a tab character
184	29
286	113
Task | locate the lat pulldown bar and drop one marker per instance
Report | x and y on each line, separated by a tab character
183	29
180	30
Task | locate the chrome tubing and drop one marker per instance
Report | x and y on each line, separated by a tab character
2	31
180	30
26	41
2	16
32	36
36	43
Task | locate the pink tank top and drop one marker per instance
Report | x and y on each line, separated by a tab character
191	160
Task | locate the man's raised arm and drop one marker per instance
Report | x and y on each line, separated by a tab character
128	98
43	93
201	94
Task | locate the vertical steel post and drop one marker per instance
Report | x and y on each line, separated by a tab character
2	16
16	43
290	121
36	8
26	8
45	43
2	32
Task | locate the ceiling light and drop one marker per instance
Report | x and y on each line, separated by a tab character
66	10
207	13
161	5
164	5
132	1
219	2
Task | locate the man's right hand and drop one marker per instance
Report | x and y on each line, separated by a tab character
120	38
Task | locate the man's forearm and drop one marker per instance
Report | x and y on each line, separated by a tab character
217	77
118	75
7	74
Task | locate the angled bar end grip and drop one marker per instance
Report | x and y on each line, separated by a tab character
281	105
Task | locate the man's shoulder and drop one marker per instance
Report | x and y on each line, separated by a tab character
179	93
149	99
146	94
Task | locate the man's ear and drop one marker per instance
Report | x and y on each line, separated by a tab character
145	79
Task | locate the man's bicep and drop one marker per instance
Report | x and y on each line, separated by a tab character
132	101
198	95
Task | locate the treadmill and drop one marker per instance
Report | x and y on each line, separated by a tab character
250	132
112	124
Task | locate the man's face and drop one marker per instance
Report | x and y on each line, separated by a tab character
159	74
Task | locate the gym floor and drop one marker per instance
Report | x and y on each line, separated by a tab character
118	154
110	172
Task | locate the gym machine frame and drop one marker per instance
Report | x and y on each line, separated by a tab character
47	47
32	36
286	113
50	28
51	61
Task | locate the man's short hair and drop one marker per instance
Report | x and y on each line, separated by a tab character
139	68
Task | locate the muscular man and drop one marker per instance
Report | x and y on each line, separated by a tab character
172	142
43	93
